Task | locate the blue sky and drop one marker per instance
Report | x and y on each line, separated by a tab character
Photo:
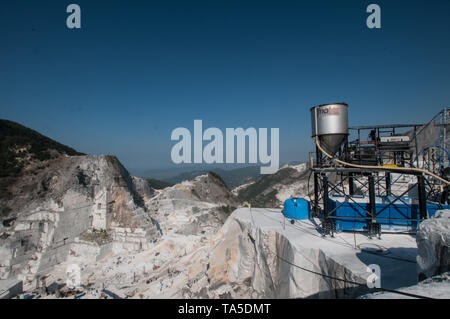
136	70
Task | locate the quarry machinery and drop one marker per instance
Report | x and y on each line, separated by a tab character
379	178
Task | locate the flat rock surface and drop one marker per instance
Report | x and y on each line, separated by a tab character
394	253
437	287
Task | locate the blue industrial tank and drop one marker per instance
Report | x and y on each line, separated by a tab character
399	216
296	208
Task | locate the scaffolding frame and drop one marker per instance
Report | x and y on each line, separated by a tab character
379	182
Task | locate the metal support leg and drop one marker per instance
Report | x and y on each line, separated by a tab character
373	227
318	157
372	198
422	197
351	184
316	195
326	207
328	225
388	184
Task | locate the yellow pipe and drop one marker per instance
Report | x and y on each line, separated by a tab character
410	169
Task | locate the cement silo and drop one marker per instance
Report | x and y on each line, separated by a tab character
329	123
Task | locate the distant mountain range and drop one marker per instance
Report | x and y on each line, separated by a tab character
157	184
232	177
272	190
22	147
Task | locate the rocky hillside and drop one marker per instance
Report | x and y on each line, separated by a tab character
188	217
22	148
54	197
71	199
192	206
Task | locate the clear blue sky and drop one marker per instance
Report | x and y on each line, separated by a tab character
138	69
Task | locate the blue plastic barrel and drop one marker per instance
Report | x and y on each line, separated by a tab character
296	208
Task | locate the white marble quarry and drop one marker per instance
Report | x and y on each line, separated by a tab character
246	258
131	241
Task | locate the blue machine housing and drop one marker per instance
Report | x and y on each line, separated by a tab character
296	208
393	218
